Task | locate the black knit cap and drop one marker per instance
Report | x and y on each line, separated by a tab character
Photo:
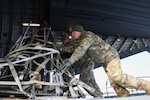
78	28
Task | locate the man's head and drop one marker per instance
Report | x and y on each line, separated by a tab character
77	30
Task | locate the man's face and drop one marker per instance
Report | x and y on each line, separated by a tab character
76	34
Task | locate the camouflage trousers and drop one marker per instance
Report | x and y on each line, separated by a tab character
120	81
87	76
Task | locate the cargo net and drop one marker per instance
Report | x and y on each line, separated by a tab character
30	69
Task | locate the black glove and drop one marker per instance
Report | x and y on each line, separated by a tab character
67	64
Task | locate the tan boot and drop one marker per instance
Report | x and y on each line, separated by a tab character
146	86
122	92
136	83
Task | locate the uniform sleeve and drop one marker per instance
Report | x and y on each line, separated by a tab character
68	49
80	50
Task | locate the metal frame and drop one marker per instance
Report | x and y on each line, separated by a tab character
31	68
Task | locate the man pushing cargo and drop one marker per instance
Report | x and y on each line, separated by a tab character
100	51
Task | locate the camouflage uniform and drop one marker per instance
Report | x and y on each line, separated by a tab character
101	52
86	66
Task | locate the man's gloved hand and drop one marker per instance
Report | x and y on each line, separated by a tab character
66	65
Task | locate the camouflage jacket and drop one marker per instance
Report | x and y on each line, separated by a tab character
95	47
70	47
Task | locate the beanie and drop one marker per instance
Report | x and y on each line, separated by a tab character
78	28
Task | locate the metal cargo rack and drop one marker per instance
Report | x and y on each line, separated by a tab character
30	69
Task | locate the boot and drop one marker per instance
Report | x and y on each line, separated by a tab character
147	88
144	85
120	91
133	82
123	92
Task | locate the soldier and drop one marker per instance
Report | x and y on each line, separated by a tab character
101	52
85	64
